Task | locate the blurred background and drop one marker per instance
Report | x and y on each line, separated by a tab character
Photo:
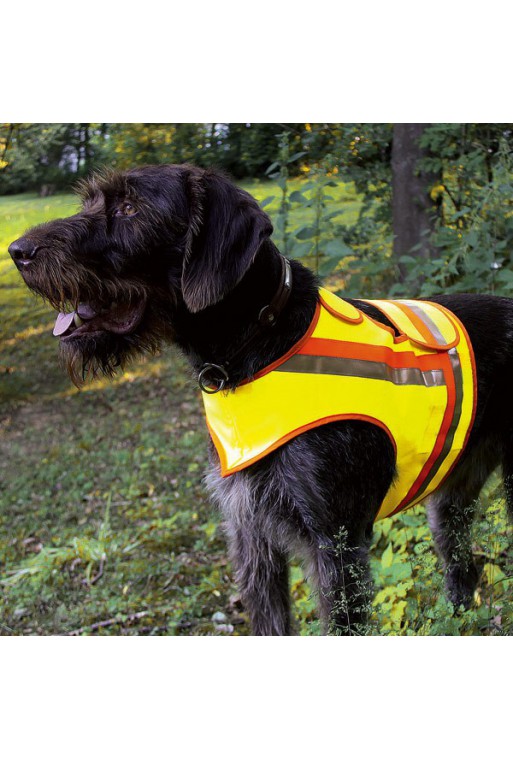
104	526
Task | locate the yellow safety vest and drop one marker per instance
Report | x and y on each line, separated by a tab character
419	387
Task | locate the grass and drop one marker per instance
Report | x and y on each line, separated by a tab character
104	524
96	486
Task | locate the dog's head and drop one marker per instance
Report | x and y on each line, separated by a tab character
146	242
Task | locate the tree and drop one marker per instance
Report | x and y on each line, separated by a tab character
414	212
50	155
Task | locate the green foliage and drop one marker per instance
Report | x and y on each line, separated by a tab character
474	234
315	240
474	238
126	145
44	157
54	156
412	600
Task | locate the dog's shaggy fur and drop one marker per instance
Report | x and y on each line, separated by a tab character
175	253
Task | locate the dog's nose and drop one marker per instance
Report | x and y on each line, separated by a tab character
23	251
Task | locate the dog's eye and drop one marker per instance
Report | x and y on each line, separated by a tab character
126	209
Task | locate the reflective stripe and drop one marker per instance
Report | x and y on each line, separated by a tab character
421	486
426	319
421	322
418	320
329	365
458	380
419	308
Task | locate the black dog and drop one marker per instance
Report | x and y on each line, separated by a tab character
175	253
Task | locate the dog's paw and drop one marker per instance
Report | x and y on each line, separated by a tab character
461	584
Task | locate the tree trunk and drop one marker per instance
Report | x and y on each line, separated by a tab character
414	213
87	147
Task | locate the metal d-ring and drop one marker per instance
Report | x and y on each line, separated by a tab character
207	380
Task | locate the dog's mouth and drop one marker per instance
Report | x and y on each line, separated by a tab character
86	319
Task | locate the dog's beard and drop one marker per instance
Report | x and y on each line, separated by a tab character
103	325
86	357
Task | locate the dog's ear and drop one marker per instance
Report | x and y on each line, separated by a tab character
227	228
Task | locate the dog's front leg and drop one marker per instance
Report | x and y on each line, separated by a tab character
340	572
259	562
261	572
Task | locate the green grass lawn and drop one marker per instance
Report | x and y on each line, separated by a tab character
104	524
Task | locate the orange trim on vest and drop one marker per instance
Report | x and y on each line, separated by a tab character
343	349
350	313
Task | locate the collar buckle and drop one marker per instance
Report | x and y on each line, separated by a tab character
212	378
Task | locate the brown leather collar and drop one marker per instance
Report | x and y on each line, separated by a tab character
213	378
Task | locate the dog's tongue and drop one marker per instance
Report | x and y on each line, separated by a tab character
65	320
120	319
62	323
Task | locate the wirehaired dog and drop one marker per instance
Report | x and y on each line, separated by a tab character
178	254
